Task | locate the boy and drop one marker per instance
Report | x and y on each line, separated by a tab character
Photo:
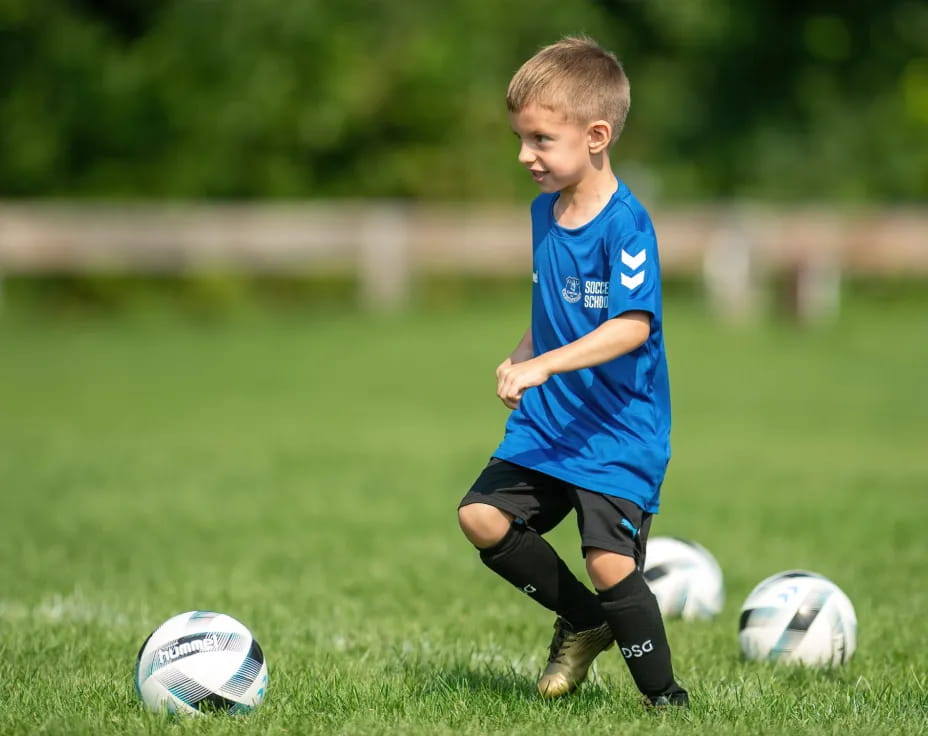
587	383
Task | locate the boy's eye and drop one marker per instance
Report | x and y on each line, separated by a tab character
537	138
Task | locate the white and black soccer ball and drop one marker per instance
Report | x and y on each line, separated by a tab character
684	577
198	662
798	617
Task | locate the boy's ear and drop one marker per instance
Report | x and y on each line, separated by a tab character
599	134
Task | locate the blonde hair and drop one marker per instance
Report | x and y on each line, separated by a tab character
577	77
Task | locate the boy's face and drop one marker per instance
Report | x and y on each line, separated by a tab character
555	149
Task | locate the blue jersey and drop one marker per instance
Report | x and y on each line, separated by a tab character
606	428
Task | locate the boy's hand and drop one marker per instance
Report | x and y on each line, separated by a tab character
513	378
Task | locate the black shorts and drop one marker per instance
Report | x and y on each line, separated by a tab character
605	522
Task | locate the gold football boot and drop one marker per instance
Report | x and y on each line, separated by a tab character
572	653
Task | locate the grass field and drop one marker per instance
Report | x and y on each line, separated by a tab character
301	473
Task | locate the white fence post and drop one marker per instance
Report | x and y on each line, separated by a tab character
731	274
384	277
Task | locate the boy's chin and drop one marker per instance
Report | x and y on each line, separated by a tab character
548	187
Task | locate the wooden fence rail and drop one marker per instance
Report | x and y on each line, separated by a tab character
388	243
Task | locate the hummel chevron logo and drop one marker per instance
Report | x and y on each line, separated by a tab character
634	262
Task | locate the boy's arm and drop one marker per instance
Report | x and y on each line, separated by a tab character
522	352
611	339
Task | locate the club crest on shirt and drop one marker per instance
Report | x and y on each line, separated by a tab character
571	290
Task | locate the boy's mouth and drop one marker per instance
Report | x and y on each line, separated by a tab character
537	175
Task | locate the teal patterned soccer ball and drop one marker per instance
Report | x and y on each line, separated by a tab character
201	662
684	577
798	617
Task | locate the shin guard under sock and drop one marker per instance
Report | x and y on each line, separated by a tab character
632	612
528	562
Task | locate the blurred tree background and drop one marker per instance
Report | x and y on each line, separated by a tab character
772	99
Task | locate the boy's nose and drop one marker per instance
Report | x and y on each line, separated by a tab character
526	157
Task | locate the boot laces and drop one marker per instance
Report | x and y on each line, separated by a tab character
562	631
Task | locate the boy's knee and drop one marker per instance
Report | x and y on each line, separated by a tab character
607	568
483	525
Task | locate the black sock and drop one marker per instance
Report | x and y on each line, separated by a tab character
527	561
632	612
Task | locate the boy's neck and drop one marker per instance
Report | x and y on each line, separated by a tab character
576	205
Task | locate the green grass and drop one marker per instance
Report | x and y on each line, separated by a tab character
301	473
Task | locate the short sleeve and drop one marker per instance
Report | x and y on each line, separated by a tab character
634	277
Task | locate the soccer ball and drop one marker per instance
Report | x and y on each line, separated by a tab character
684	577
798	617
198	662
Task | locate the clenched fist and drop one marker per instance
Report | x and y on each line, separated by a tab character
513	378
